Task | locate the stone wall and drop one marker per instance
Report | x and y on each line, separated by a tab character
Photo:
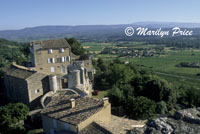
41	60
38	85
16	89
50	124
102	116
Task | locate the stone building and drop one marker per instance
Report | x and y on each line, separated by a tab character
50	56
51	70
70	113
25	85
80	77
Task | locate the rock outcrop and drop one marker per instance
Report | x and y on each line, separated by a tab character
185	121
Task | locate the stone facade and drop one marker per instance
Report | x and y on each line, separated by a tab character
50	56
24	85
80	77
51	70
59	115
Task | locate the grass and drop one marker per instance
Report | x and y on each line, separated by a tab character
166	63
35	131
181	81
101	94
94	46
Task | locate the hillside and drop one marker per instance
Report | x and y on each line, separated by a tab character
86	31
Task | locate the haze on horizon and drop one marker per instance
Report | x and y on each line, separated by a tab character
23	13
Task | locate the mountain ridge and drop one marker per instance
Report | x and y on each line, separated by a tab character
60	31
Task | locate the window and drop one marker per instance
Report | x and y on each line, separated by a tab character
61	50
51	60
50	51
67	58
58	60
63	59
52	69
37	91
63	70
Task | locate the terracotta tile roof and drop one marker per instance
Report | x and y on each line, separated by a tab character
51	44
17	72
59	108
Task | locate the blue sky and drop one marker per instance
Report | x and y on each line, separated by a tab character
17	14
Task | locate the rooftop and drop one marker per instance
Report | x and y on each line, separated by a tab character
121	125
94	128
51	44
60	109
18	71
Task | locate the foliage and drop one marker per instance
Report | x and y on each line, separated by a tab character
154	88
189	97
12	52
101	65
120	74
84	57
76	47
161	107
11	116
140	107
116	96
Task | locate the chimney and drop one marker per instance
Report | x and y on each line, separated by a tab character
72	103
105	101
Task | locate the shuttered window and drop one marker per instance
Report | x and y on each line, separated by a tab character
61	50
50	51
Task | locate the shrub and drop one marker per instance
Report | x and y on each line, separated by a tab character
140	108
161	107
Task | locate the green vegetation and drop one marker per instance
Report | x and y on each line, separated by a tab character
164	65
11	118
35	131
167	63
101	94
12	52
94	46
143	95
76	47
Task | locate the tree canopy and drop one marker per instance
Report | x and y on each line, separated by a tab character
76	47
11	116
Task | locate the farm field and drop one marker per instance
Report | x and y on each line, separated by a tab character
94	46
166	64
161	64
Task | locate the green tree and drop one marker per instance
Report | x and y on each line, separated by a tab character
116	96
193	97
76	47
102	65
120	74
140	107
11	116
155	88
161	107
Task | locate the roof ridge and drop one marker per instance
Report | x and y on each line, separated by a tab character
22	67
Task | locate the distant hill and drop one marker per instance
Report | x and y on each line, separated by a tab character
168	24
82	31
